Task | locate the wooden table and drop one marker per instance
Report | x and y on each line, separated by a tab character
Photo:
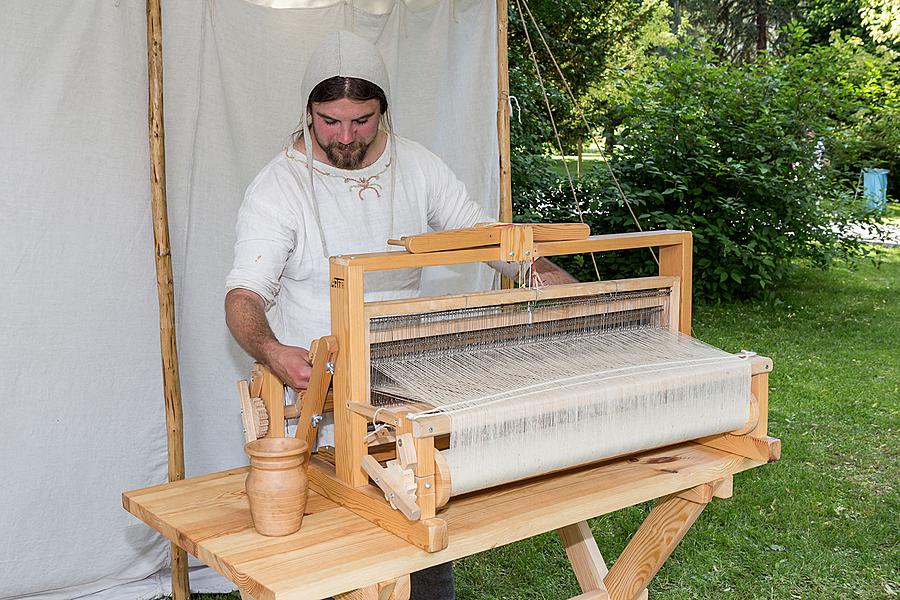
337	551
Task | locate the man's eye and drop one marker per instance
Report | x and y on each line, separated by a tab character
360	121
329	121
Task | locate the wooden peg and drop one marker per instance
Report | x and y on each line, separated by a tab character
406	451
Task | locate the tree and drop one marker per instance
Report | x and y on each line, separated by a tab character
740	29
730	153
588	40
882	20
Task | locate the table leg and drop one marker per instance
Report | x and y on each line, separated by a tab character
393	589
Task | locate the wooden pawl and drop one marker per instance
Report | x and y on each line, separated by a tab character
393	482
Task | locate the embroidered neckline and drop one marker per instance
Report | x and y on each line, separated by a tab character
360	184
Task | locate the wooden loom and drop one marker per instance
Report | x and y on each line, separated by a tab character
412	480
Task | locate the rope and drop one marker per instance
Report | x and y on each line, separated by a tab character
588	127
537	69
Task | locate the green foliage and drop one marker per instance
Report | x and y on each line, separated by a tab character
882	20
729	153
824	18
589	40
732	28
869	134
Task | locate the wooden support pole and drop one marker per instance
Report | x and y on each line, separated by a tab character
164	284
506	213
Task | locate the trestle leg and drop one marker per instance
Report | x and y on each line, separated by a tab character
587	562
393	589
655	540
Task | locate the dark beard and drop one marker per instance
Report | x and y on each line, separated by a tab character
343	160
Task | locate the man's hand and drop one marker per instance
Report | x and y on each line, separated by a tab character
290	364
547	273
245	314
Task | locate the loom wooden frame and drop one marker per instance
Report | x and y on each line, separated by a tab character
347	482
674	514
209	515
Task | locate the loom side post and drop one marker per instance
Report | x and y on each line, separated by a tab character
676	260
348	325
759	387
757	444
425	480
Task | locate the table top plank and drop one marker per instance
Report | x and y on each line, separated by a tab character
337	550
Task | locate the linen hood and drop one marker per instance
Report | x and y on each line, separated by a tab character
344	54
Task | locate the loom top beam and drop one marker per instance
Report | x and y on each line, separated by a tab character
516	240
387	261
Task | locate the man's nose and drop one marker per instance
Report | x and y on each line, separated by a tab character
345	135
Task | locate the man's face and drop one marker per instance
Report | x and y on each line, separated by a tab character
344	129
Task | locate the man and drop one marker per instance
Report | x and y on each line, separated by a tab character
363	186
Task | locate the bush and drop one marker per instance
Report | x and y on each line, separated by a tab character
729	153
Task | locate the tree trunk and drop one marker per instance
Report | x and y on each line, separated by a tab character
676	17
580	155
762	26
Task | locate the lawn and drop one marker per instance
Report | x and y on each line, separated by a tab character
821	523
892	213
589	160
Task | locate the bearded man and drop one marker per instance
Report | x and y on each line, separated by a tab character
345	185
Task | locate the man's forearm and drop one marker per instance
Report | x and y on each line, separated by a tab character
245	315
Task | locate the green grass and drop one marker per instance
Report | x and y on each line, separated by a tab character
892	213
589	159
821	523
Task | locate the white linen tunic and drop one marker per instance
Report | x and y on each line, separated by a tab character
278	253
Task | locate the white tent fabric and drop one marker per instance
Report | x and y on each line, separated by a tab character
84	417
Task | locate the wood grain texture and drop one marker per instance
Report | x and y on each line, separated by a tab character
762	448
387	261
333	551
651	546
584	555
322	352
350	327
272	394
164	283
676	260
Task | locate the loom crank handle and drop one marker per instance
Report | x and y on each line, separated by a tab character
322	353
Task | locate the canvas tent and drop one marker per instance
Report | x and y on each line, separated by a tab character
84	415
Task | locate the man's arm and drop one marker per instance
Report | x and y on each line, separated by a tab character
245	315
550	273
